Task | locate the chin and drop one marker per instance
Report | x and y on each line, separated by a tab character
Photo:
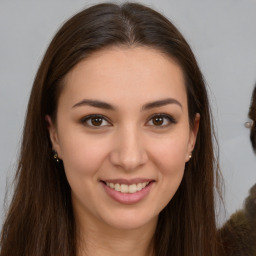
130	220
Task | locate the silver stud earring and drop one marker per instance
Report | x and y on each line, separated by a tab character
248	124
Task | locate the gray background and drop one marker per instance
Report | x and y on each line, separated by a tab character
222	34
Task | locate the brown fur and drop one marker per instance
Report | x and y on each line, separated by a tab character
238	235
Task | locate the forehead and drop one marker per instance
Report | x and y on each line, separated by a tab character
138	73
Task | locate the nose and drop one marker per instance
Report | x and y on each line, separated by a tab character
128	151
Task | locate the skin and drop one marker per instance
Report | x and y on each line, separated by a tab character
126	143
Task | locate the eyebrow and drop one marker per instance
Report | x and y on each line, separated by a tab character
105	105
94	103
161	103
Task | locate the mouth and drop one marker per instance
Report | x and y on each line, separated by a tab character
128	191
125	188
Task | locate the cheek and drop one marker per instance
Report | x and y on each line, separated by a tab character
170	155
82	154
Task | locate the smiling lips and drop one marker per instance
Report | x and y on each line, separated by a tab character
128	192
124	188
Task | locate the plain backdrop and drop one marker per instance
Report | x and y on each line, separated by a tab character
222	34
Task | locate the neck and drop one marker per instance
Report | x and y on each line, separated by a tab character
97	239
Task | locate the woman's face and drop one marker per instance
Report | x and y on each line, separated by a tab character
122	131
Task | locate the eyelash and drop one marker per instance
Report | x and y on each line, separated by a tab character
165	117
170	119
88	118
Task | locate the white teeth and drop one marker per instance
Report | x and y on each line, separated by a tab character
132	188
139	186
117	187
124	188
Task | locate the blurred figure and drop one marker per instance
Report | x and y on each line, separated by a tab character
238	235
252	116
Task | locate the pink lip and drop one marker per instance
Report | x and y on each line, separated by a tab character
127	198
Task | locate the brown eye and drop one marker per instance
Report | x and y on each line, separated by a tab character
95	121
161	120
158	120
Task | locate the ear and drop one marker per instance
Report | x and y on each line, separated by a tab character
53	135
193	136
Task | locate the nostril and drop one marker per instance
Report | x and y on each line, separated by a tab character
128	160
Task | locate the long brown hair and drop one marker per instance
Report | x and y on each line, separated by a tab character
40	220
